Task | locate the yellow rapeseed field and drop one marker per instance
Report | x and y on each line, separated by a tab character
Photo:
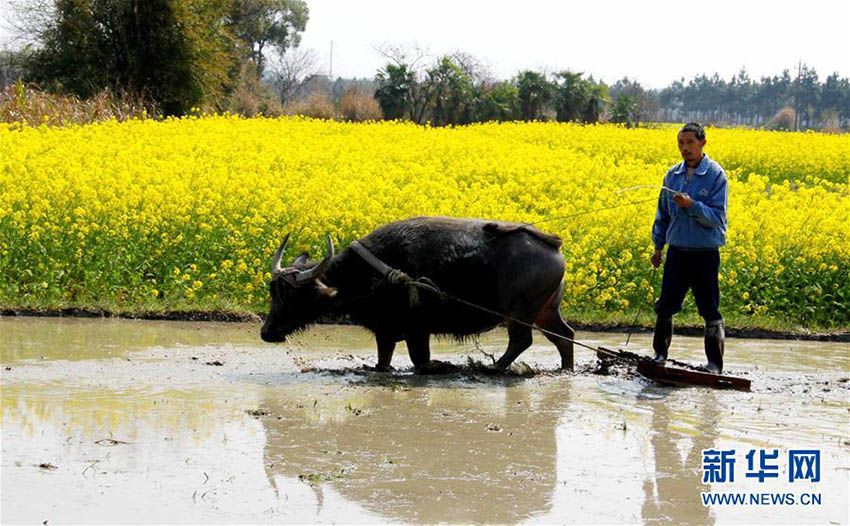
186	213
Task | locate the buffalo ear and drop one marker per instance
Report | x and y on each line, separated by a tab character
324	290
301	259
329	292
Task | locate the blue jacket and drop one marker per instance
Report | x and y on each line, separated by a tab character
701	226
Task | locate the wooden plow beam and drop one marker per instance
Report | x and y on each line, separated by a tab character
673	372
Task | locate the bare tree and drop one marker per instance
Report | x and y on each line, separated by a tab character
290	70
28	20
478	70
412	58
413	55
262	24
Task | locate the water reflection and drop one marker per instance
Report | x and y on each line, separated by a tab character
672	492
424	454
84	339
334	447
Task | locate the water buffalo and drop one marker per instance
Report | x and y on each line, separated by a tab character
509	268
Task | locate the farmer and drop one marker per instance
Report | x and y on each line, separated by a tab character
691	218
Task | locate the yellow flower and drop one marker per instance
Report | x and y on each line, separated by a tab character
143	195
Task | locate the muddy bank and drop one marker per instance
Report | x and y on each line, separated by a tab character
231	316
83	312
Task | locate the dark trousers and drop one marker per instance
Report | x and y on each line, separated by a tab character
696	270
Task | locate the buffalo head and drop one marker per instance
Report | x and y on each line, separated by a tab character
298	295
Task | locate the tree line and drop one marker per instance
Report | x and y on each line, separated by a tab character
452	92
454	89
807	102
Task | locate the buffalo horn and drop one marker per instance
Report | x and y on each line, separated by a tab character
276	269
318	270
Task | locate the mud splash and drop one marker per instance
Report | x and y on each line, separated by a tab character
128	420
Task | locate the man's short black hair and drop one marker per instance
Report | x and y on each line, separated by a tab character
695	128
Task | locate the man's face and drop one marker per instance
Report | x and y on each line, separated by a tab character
690	147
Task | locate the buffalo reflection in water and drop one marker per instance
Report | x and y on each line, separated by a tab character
424	451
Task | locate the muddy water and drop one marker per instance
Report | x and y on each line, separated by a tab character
134	421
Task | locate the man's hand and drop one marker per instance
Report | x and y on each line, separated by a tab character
657	257
682	199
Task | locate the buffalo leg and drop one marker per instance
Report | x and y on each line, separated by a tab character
549	318
386	346
519	339
419	348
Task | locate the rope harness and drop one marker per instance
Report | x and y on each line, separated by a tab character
398	277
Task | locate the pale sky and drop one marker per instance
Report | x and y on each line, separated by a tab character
654	41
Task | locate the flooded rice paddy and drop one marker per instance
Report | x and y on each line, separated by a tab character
124	421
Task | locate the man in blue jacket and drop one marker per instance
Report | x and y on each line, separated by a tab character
691	219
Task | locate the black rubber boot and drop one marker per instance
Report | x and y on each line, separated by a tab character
715	341
661	338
